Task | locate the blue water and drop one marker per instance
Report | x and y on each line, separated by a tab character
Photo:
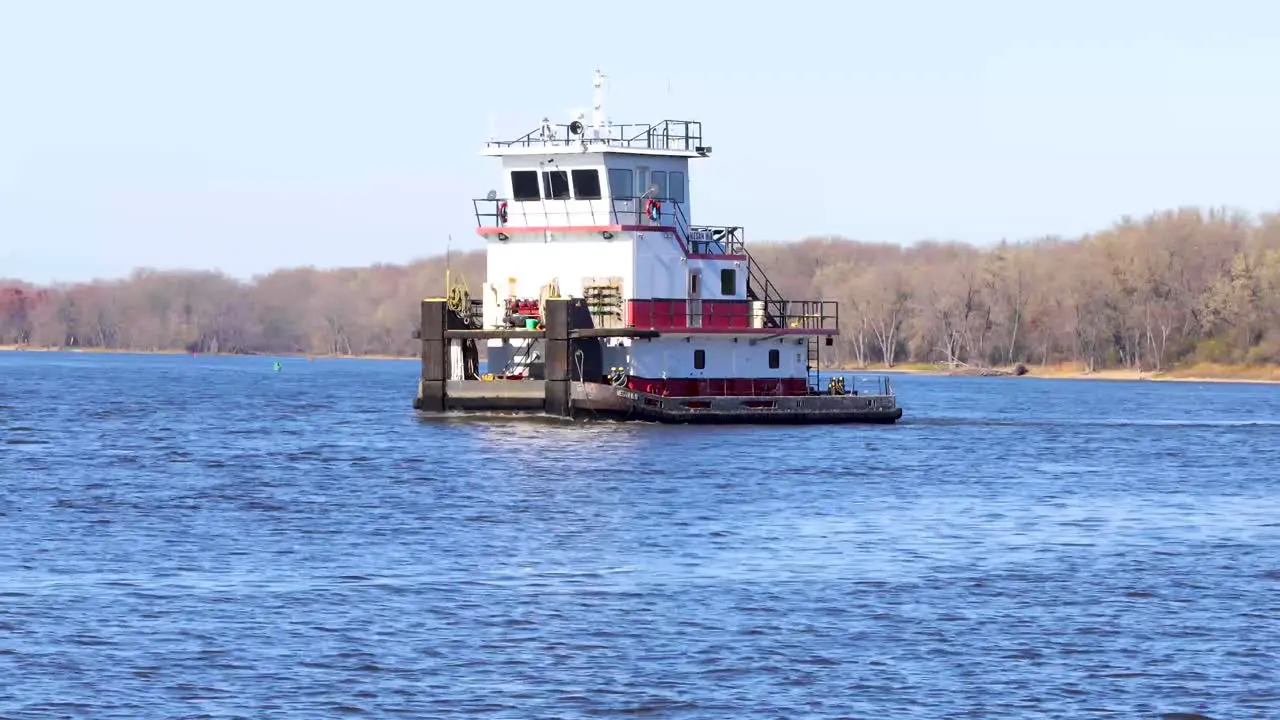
205	537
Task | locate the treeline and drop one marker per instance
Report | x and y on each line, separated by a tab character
1178	286
353	311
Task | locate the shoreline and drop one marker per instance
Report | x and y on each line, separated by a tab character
1199	373
119	351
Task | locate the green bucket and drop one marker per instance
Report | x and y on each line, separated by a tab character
530	324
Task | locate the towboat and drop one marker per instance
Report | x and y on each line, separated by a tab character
604	299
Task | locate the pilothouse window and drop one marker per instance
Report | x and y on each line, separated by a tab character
555	185
524	185
699	359
775	359
586	184
677	186
659	178
620	180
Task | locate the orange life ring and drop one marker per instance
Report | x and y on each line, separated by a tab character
653	209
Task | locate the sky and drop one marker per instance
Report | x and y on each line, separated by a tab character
247	136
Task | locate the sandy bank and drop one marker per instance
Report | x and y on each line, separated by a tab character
1202	372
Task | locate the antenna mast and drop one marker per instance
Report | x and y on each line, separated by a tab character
597	114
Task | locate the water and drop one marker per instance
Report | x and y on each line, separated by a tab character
205	537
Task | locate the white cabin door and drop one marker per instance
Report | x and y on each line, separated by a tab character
695	298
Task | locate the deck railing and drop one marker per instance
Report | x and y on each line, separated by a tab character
671	135
704	239
544	213
792	315
715	240
872	385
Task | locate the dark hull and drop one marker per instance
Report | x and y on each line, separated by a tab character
604	401
583	400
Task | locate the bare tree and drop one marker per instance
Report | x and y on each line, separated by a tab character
1147	293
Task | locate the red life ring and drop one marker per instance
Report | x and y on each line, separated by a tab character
502	213
653	209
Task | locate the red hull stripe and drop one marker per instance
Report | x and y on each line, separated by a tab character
718	316
719	387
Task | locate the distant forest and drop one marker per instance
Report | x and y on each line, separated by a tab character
1179	286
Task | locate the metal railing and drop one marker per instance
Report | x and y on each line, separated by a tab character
872	385
500	212
701	239
761	289
816	315
635	211
671	135
543	213
715	240
853	384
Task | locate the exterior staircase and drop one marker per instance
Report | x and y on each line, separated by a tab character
727	240
815	358
759	289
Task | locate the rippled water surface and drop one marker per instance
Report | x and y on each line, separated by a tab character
204	537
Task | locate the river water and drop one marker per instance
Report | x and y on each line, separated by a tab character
207	537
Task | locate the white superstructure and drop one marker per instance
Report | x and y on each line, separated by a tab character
604	211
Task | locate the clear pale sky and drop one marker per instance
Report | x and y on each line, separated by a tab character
247	136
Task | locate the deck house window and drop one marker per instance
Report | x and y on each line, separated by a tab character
677	186
659	178
555	185
775	359
524	185
586	184
699	359
728	282
620	180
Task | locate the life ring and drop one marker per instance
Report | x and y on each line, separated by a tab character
653	209
502	213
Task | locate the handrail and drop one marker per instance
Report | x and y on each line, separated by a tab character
564	211
682	222
760	288
715	240
703	239
687	136
822	316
